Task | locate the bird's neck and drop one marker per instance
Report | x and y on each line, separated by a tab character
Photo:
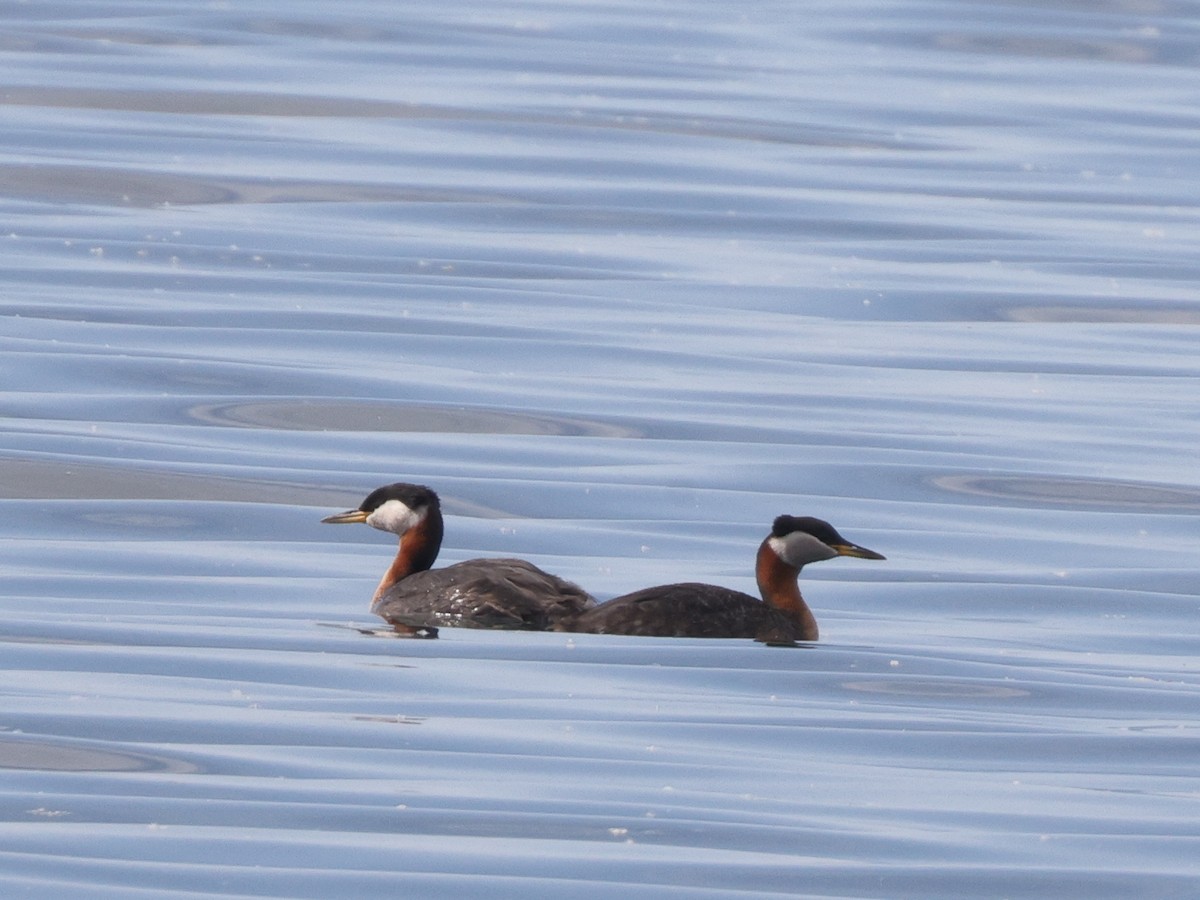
778	582
418	550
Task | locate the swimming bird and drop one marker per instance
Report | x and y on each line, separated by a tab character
707	610
479	593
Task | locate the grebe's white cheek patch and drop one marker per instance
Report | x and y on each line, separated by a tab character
800	548
394	516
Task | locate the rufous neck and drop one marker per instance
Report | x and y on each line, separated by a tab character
779	585
418	551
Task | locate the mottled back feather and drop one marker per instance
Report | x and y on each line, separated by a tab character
483	593
687	610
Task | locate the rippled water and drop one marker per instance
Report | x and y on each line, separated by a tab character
623	283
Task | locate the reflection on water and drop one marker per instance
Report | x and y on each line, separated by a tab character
235	103
1135	315
1043	490
125	187
348	415
34	480
1136	50
935	687
76	756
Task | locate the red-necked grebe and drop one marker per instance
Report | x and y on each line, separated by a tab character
478	593
706	610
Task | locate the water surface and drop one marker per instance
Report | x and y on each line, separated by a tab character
622	284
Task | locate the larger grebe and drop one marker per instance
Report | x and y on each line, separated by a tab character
706	610
478	593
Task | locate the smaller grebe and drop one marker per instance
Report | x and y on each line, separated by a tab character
706	610
478	593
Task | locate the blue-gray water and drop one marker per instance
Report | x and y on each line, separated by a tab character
623	282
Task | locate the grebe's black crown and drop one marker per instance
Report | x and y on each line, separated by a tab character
818	528
414	496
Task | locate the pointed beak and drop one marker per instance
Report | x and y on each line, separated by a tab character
855	550
345	518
